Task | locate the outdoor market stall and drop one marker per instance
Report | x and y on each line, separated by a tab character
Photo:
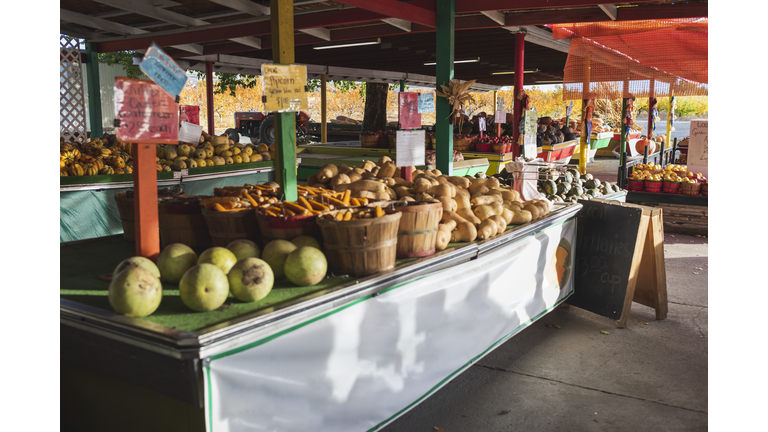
363	344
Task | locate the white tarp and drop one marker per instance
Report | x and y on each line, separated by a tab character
368	362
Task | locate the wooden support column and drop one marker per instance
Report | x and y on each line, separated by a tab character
94	94
209	96
622	143
285	127
145	202
323	109
518	105
650	111
665	144
445	11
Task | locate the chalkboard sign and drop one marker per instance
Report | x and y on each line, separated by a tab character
608	238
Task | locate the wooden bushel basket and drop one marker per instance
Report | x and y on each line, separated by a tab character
690	188
286	228
225	227
418	229
127	215
183	224
360	247
369	141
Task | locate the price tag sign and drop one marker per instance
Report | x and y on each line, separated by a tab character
410	148
569	109
500	117
531	122
500	104
408	110
146	112
481	124
163	71
284	87
426	102
529	146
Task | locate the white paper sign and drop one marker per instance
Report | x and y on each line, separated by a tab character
529	146
500	104
426	103
410	148
698	147
481	124
500	117
190	133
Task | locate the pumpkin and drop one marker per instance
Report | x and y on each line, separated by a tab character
76	170
107	170
549	187
90	170
643	143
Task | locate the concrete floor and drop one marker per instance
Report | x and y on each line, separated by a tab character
650	376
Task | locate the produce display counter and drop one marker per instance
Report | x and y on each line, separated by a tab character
351	153
612	149
597	141
87	203
349	354
496	161
561	152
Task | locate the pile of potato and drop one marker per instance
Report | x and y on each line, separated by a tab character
473	208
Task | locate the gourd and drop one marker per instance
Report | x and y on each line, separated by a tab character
501	223
549	187
487	229
327	172
449	204
387	169
340	179
464	232
533	209
443	236
445	190
521	217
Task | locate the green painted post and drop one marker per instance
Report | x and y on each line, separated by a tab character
402	85
445	10
94	94
285	127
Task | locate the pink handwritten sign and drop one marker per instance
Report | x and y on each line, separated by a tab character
408	110
146	112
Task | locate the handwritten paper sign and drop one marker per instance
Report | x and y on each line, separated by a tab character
284	87
189	114
698	147
529	146
146	112
481	124
531	122
163	71
408	110
410	148
500	104
426	102
500	117
190	133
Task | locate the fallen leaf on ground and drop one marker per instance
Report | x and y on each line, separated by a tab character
557	326
645	323
603	332
437	429
506	411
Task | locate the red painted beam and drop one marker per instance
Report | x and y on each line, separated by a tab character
466	6
322	19
595	14
397	9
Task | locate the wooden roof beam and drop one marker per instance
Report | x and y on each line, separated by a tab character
244	6
610	10
466	6
397	9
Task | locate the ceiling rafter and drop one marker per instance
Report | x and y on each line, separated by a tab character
148	10
610	10
245	6
105	25
397	9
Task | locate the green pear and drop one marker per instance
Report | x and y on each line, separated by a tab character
251	279
219	256
204	287
305	266
135	292
305	240
244	248
174	260
275	253
137	261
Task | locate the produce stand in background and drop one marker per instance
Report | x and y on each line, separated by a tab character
612	150
87	203
300	348
351	153
560	152
597	141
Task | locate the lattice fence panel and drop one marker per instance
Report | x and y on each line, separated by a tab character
73	125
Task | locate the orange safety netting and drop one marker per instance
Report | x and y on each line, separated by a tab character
635	58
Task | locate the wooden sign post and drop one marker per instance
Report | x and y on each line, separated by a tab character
619	260
147	116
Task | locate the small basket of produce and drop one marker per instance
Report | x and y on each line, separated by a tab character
360	242
690	187
181	220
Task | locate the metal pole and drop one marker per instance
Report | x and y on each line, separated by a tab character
518	105
446	9
585	134
209	96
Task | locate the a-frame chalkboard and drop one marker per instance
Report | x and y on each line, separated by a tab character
615	243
